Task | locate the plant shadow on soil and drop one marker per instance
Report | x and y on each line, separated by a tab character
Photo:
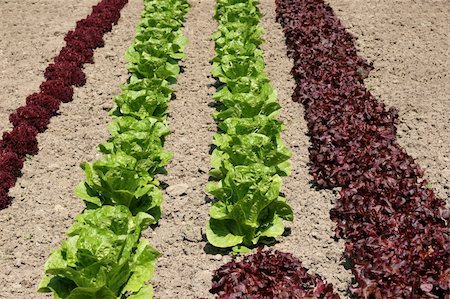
212	147
163	185
213	104
265	244
217	85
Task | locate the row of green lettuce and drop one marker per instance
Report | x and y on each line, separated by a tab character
104	256
249	158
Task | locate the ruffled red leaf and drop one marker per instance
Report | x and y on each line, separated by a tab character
4	200
96	21
82	48
74	55
397	230
7	180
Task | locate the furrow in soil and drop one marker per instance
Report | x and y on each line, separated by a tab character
185	269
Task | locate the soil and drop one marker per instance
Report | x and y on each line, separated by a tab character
406	40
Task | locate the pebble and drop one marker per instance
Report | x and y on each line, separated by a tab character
177	190
18	263
53	167
192	235
59	208
217	257
202	277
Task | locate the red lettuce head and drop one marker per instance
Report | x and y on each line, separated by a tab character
58	89
74	55
33	115
4	200
50	103
9	161
96	22
82	48
67	71
109	12
21	140
7	180
109	16
92	37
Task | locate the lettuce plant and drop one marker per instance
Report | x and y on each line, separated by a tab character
10	161
74	55
58	89
68	71
33	115
50	103
103	257
134	152
144	98
21	140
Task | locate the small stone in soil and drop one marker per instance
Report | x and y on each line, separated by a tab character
177	190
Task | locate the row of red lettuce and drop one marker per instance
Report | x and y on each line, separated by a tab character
61	76
396	228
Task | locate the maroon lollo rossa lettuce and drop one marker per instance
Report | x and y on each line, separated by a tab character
67	71
71	54
103	10
50	103
82	48
92	37
4	199
10	166
7	180
33	115
267	275
21	140
96	22
10	162
397	231
58	89
61	75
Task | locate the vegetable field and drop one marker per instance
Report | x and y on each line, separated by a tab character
228	149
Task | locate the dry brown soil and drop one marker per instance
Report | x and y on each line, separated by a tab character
406	40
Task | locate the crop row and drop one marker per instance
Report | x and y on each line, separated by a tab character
104	256
248	161
249	157
65	72
396	229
